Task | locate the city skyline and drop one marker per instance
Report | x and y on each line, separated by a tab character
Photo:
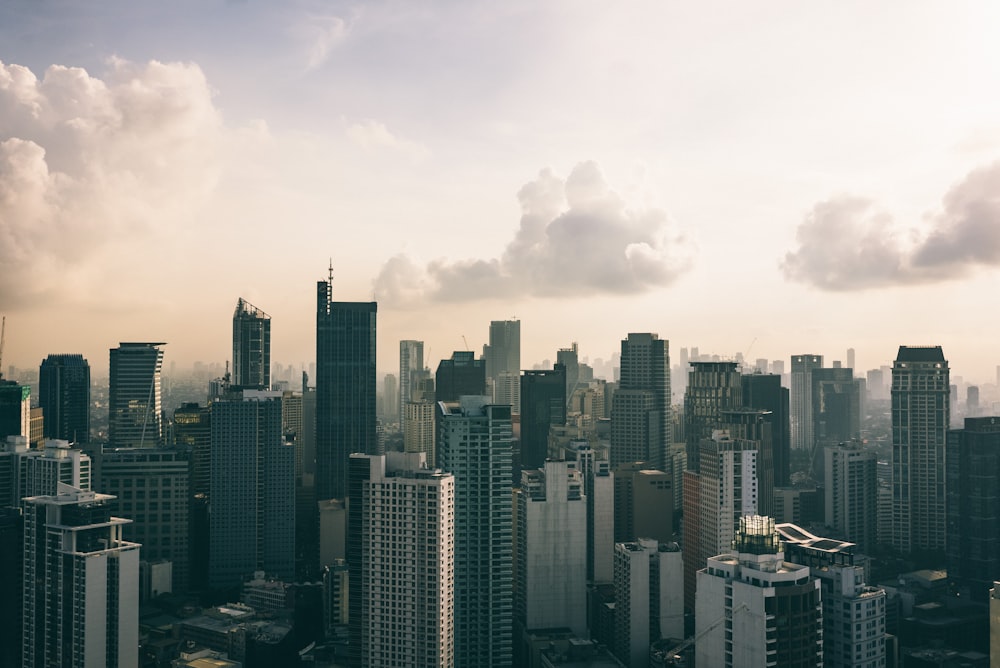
589	172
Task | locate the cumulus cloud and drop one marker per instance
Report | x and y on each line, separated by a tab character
87	164
370	134
577	237
848	243
323	34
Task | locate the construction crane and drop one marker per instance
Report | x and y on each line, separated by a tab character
466	342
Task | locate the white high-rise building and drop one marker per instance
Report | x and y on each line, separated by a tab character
81	583
649	598
756	609
550	576
401	556
418	429
28	472
411	362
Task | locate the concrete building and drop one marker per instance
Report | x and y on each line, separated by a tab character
853	612
64	397
251	347
801	400
920	421
713	387
649	601
851	488
756	609
27	471
599	488
81	583
643	504
418	429
503	353
401	519
551	550
641	412
411	365
475	445
134	396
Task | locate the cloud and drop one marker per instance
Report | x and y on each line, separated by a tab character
370	134
848	243
577	238
89	164
323	34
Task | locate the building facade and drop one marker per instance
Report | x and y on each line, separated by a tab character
543	405
802	401
713	387
251	347
64	396
134	396
649	601
641	412
851	488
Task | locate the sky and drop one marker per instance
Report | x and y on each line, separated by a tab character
759	178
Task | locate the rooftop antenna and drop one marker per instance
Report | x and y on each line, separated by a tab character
331	271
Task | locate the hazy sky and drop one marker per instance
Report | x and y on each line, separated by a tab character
769	178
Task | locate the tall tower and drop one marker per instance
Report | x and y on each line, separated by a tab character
543	405
461	375
251	347
81	583
15	409
713	387
763	391
802	401
345	387
64	395
475	444
411	364
920	415
404	517
252	490
641	413
504	350
649	605
134	419
851	484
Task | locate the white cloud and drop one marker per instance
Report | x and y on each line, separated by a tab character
370	135
323	34
577	238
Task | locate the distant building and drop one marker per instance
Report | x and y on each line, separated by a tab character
765	392
801	405
599	488
411	364
15	409
649	601
251	347
851	488
193	430
713	387
81	584
461	375
643	504
134	397
641	412
543	405
503	353
64	396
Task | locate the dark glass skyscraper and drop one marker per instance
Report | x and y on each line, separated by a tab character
764	391
64	395
134	396
641	411
459	376
345	387
543	404
251	347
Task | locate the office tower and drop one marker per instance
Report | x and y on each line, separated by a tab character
401	590
507	390
193	430
756	609
972	400
644	503
599	488
836	406
727	491
411	362
150	487
850	358
752	424
851	486
418	434
251	347
390	398
853	612
570	359
345	387
712	388
475	444
543	405
550	573
504	350
801	400
252	490
461	375
875	385
649	604
11	585
28	471
764	392
134	419
15	409
641	411
920	415
81	584
973	506
64	396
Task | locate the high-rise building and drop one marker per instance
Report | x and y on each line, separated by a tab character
920	415
475	445
764	392
649	604
641	410
81	583
64	396
461	375
712	388
390	398
345	387
401	563
599	488
851	487
251	347
543	405
28	471
973	505
11	585
643	505
149	486
504	350
802	401
569	358
507	390
853	612
836	410
252	490
756	609
757	425
411	364
15	409
193	430
134	419
550	572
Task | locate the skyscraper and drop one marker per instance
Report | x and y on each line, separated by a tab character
402	564
802	401
134	419
599	487
836	406
920	415
411	362
64	395
345	387
504	350
460	375
543	405
15	409
764	391
851	486
713	387
641	412
475	444
81	583
252	490
649	604
251	347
